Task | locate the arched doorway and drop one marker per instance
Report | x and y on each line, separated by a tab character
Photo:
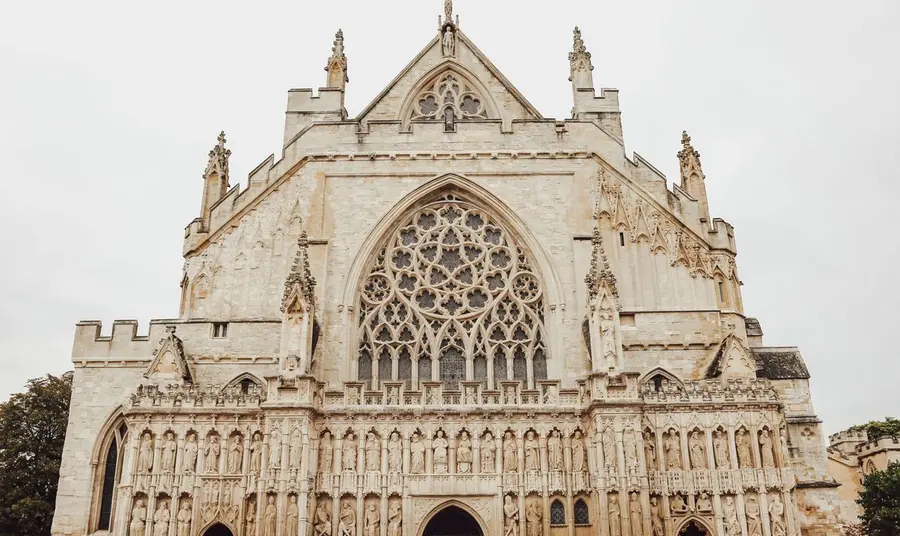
218	530
452	521
692	528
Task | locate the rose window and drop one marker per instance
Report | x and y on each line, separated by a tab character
451	297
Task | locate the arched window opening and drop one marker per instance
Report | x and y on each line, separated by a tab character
111	467
452	284
582	515
557	513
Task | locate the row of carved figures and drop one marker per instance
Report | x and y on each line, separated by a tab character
697	450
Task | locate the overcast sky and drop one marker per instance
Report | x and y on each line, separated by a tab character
108	108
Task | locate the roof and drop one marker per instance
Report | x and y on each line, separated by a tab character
780	363
753	327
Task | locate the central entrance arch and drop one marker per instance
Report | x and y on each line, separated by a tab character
693	528
218	530
452	521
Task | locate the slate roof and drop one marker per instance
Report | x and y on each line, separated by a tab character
780	363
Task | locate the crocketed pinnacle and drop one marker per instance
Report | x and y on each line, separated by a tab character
600	275
338	56
299	277
218	159
689	158
579	58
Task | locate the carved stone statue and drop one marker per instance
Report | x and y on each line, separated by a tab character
510	517
168	453
673	450
551	395
677	504
510	457
417	455
720	450
744	451
634	510
615	516
235	455
373	453
395	454
532	452
630	446
274	448
776	517
533	520
488	454
704	504
448	43
579	460
250	520
145	459
256	453
464	453
325	453
189	465
372	521
211	452
751	508
349	449
161	519
555	460
183	527
291	525
322	520
729	518
656	522
347	522
295	450
650	451
395	520
138	519
766	450
510	394
609	448
440	445
271	515
697	451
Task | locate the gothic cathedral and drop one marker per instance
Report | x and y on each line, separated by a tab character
448	316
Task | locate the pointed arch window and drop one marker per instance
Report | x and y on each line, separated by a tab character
557	513
582	514
449	97
110	466
452	284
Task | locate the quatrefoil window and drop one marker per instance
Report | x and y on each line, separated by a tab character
452	285
449	97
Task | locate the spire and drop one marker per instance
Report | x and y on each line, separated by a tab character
600	275
218	160
692	177
337	63
580	63
299	280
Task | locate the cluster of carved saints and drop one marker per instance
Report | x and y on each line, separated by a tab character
697	450
214	454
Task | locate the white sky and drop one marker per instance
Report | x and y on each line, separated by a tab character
108	108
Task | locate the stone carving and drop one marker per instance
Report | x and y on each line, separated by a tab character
720	450
347	521
189	465
532	452
274	448
776	517
417	455
471	396
656	522
448	43
729	518
325	453
650	451
211	454
510	457
372	521
395	454
291	523
510	394
256	453
744	451
579	460
704	504
673	450
161	519
322	520
678	505
349	456
634	510
295	450
751	508
697	451
373	453
609	448
464	453
211	494
395	520
533	519
250	519
145	459
510	517
555	460
138	519
630	446
440	445
271	515
183	525
766	449
168	453
393	396
488	454
615	516
235	455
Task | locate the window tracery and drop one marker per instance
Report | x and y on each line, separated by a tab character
450	98
452	284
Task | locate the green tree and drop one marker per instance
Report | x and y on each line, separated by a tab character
888	427
880	500
32	433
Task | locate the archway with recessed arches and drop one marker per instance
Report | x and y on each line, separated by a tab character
452	518
694	526
218	529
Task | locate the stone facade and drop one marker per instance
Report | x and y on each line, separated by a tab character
852	456
448	301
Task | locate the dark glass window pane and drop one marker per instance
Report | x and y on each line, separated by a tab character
557	513
385	366
539	364
365	366
109	485
424	369
453	368
480	369
404	366
582	516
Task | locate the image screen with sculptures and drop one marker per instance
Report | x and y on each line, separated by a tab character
448	316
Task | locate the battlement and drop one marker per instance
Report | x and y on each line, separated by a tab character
848	436
304	100
587	101
882	443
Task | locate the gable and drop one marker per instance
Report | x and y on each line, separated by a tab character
501	99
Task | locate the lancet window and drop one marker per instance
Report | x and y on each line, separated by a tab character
110	472
449	99
451	297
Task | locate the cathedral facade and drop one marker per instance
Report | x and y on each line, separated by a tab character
448	315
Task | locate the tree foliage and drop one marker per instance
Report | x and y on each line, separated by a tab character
32	433
880	501
876	429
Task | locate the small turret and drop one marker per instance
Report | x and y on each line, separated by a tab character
215	179
587	105
337	64
693	181
603	311
304	108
